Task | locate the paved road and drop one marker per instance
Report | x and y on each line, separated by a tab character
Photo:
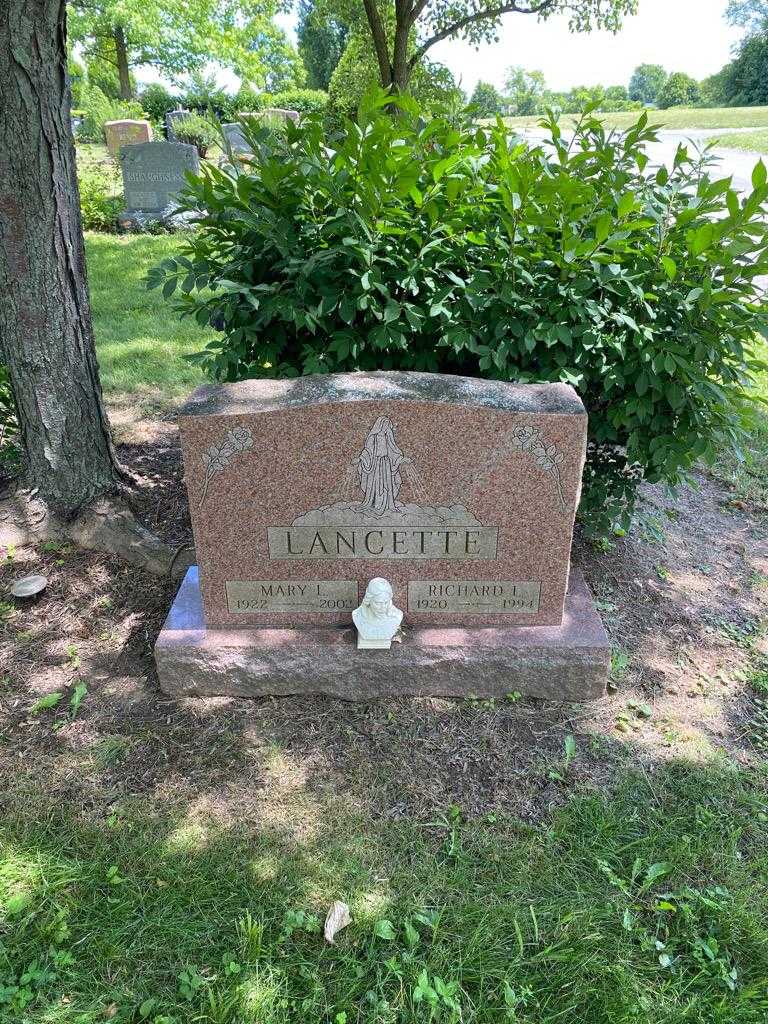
730	161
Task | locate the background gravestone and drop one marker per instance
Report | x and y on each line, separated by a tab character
153	175
126	133
170	117
233	133
278	113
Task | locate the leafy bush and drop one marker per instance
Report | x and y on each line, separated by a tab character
461	250
157	101
100	196
248	101
306	101
196	131
208	99
9	427
358	72
98	109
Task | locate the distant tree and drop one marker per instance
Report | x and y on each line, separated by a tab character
749	14
486	100
357	71
581	96
646	83
616	93
744	82
524	91
421	24
322	37
680	90
178	36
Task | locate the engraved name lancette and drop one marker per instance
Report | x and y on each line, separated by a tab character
382	542
368	519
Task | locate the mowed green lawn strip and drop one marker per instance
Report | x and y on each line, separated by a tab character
752	142
649	906
674	118
140	341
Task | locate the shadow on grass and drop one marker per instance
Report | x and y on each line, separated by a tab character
643	906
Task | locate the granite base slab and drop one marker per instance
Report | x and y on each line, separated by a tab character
569	662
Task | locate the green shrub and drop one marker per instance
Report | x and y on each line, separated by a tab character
248	101
306	101
205	97
9	427
100	196
98	109
157	101
196	130
461	250
357	72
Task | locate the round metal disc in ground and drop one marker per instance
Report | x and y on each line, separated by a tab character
28	586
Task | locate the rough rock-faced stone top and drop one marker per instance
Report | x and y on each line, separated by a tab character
257	396
461	492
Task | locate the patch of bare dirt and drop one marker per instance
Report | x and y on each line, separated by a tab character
684	600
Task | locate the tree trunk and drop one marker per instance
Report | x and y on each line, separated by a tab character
46	337
123	71
380	46
401	70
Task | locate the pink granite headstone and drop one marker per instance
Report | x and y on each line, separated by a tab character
461	492
126	133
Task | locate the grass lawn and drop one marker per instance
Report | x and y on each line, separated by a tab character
673	118
172	861
753	142
140	341
646	906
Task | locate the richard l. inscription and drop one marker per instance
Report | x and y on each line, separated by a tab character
247	596
473	597
381	542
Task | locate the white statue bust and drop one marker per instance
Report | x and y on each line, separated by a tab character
377	620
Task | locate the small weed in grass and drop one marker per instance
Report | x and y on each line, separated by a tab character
619	665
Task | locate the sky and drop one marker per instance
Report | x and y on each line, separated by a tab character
682	35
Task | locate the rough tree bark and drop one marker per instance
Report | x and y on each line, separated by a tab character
46	339
123	71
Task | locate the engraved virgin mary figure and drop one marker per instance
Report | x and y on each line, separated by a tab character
378	470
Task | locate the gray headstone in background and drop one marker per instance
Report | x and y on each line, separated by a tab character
153	174
170	117
233	133
278	113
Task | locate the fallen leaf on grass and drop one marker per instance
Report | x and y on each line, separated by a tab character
338	918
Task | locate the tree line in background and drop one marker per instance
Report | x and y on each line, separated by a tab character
346	46
742	82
